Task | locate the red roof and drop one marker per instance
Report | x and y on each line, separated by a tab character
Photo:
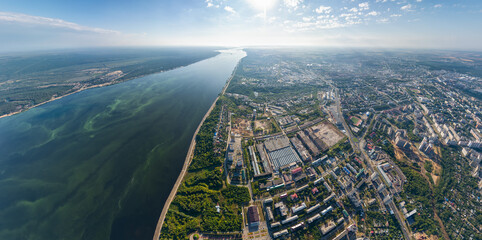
296	170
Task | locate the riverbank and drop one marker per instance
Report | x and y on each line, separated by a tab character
187	162
59	97
83	88
108	155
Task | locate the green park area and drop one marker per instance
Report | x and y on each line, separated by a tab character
204	201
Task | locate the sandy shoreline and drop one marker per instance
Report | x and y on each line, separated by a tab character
187	162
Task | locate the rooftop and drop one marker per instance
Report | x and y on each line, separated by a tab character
253	215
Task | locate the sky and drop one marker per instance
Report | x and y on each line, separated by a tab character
27	25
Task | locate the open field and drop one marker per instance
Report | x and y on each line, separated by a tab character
328	133
263	125
242	127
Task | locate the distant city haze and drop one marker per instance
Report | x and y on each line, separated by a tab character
53	24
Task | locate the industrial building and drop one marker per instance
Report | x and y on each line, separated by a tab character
280	152
253	216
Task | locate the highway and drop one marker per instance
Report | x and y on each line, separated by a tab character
347	129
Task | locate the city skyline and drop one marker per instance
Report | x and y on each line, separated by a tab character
31	25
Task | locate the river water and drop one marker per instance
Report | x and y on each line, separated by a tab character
100	164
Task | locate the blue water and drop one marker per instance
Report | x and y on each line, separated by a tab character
100	164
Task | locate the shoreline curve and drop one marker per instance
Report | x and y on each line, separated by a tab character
187	161
96	86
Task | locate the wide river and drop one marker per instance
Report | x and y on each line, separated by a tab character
100	164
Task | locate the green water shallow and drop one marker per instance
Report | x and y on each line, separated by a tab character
99	164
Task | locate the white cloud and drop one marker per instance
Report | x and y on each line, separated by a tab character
353	10
210	3
323	9
363	6
329	22
229	9
291	3
383	20
406	7
51	22
396	15
419	0
437	6
260	15
350	18
344	15
381	1
213	3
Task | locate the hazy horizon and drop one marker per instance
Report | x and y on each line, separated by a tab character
48	51
409	24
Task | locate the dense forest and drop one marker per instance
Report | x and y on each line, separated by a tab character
204	191
204	155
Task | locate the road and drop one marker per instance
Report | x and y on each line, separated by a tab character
347	129
401	221
405	230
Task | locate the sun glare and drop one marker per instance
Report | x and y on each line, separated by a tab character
262	5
